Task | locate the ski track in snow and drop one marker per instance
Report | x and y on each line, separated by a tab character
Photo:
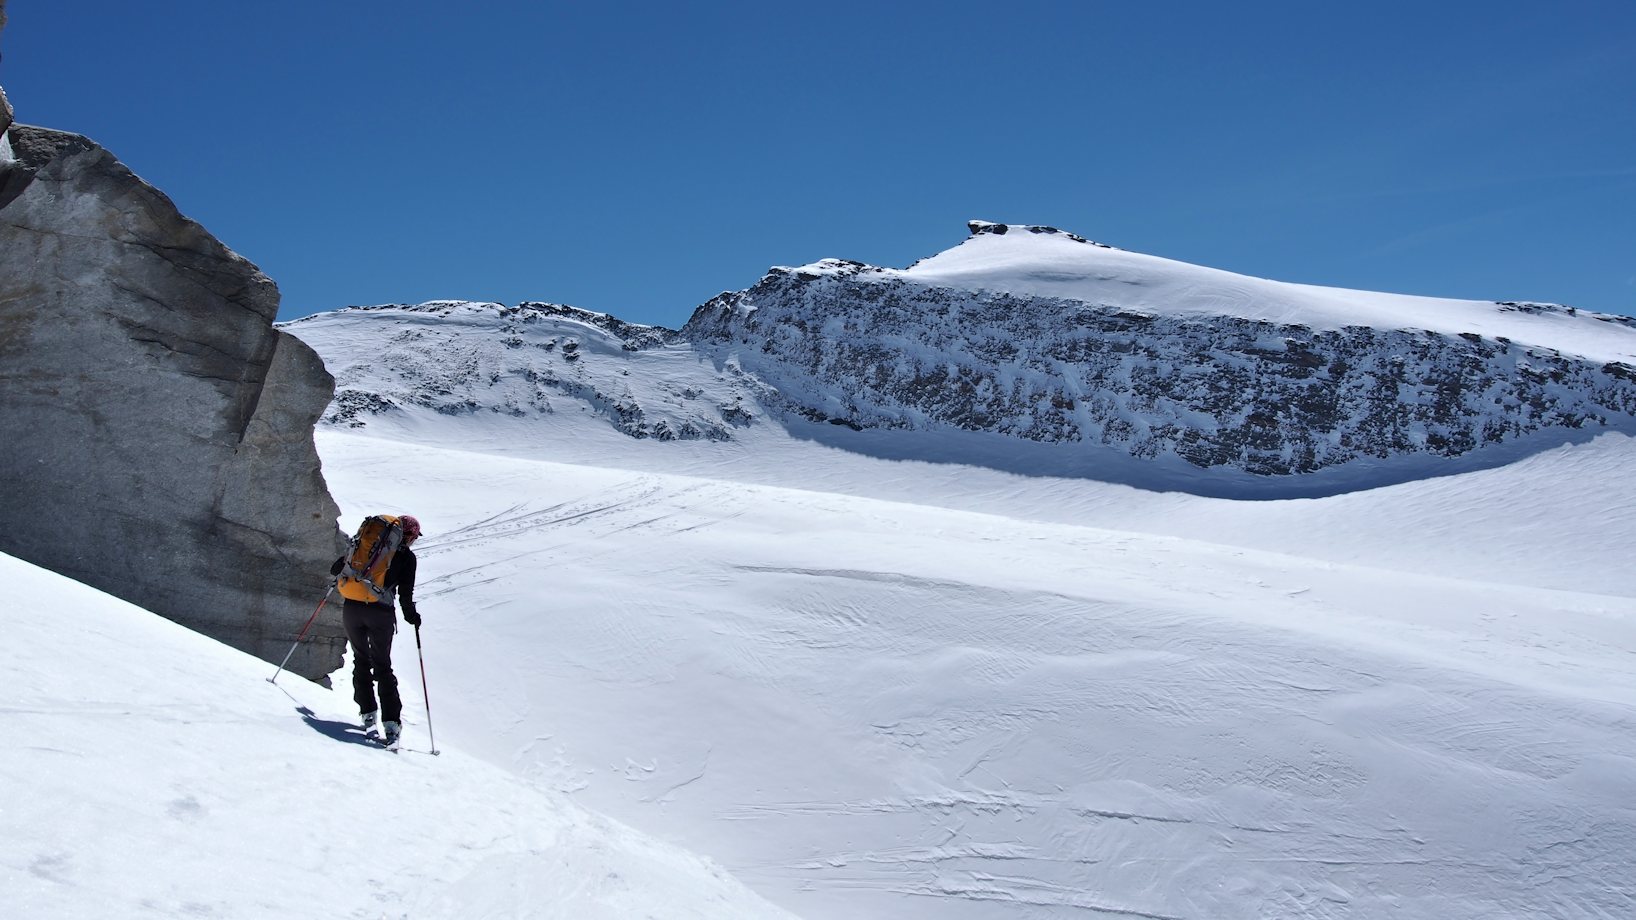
882	709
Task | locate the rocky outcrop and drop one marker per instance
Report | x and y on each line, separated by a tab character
851	344
155	429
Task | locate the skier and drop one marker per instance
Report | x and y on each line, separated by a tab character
369	629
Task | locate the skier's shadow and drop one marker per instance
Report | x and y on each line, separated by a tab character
340	731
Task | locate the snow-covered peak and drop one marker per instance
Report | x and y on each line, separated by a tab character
1046	262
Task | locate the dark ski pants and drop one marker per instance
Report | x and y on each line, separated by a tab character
369	628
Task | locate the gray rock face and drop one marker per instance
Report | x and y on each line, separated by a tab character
1219	392
155	429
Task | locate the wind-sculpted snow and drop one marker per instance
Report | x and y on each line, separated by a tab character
871	348
535	359
1411	702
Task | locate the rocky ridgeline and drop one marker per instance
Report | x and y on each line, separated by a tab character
850	344
527	361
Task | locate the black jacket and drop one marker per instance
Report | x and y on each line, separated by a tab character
400	579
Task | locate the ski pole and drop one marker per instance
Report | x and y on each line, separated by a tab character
430	735
302	634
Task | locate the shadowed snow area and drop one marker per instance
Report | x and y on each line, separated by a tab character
874	689
152	772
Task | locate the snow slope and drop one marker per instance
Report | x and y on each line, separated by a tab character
876	689
151	772
1046	262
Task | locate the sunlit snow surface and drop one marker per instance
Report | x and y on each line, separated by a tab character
1050	263
151	772
903	690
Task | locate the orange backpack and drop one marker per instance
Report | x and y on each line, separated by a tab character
369	554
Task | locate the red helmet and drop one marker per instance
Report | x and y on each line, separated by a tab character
411	525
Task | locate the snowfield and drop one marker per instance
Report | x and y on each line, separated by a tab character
913	690
152	772
868	689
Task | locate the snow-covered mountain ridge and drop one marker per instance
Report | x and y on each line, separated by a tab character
535	359
1034	335
1046	262
1047	337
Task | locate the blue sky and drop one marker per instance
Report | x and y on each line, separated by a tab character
638	158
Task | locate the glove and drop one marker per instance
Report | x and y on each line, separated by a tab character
411	617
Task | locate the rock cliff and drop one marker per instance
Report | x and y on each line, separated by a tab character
155	429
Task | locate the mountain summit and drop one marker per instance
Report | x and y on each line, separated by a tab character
1050	263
